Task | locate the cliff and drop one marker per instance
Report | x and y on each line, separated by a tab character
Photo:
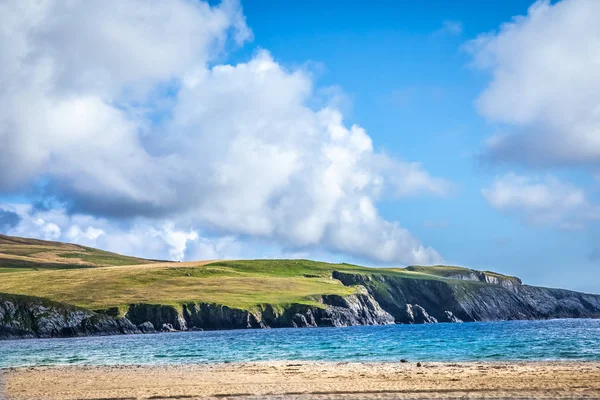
478	299
63	290
380	299
33	317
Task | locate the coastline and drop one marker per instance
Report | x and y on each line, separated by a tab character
308	380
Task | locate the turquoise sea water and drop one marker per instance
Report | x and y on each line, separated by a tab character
511	340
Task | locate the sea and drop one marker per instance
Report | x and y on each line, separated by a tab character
561	339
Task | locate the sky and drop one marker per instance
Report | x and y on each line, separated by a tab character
383	134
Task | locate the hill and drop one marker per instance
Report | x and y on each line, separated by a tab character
52	289
18	252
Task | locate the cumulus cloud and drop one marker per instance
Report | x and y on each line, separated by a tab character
177	240
140	237
542	200
545	85
124	111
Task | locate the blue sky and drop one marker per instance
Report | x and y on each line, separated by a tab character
410	84
455	98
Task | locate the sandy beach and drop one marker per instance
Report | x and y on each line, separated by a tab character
308	380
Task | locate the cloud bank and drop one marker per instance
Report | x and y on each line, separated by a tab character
542	200
123	112
543	98
545	85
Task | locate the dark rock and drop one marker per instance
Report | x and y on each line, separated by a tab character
112	311
214	316
33	317
418	315
156	314
451	317
146	327
300	321
359	309
418	364
452	300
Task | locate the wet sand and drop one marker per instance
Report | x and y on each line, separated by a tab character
308	380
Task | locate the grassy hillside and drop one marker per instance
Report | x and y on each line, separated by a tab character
40	254
97	279
239	284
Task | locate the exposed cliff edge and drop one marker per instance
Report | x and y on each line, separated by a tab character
109	293
386	297
418	300
360	309
466	274
31	317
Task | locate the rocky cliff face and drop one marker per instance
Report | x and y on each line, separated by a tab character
29	317
359	309
465	274
380	299
484	298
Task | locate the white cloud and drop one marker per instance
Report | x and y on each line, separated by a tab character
141	237
74	75
545	86
177	240
75	234
238	150
49	230
542	200
278	168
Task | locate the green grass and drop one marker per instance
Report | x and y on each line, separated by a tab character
104	258
32	253
18	250
12	264
236	284
304	269
241	284
96	279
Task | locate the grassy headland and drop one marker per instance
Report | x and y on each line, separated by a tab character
243	294
97	279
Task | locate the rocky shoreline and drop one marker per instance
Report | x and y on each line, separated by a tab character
380	300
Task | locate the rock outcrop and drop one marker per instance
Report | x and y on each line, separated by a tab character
29	317
418	315
359	309
412	300
466	274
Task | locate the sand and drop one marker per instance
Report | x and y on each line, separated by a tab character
308	380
